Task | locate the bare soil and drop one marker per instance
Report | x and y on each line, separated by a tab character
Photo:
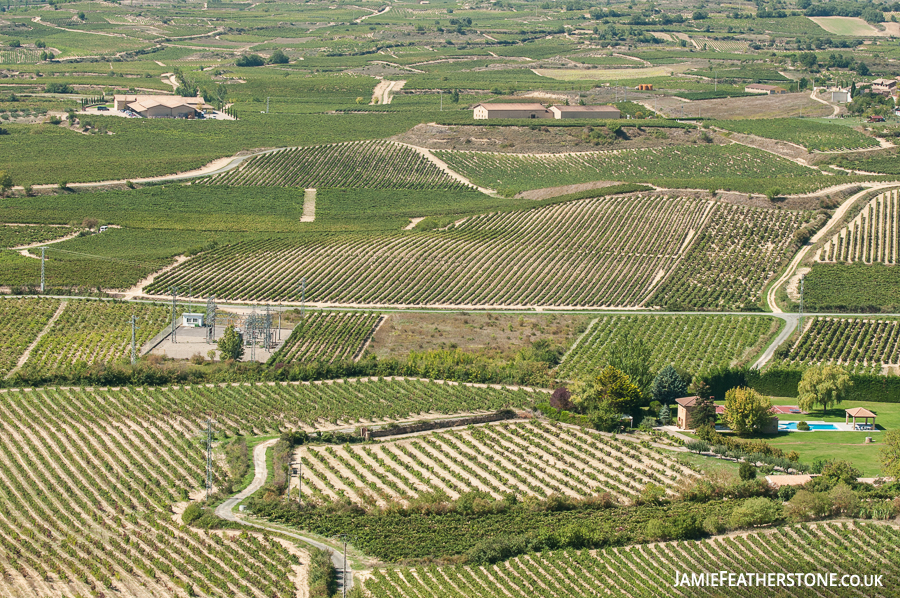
763	106
500	335
548	192
536	139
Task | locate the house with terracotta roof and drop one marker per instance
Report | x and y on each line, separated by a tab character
160	106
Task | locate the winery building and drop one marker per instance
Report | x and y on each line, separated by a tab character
160	106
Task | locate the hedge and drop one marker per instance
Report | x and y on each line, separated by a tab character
783	383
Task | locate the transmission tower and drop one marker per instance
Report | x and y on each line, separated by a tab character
302	297
209	468
43	253
174	320
211	320
133	347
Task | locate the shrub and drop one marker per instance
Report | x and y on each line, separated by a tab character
755	512
713	525
652	494
803	426
747	471
192	513
844	500
250	60
806	506
696	446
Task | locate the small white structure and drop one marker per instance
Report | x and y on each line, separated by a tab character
523	110
840	96
609	112
189	320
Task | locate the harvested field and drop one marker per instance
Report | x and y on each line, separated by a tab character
776	106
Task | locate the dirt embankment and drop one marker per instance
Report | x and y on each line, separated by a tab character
537	139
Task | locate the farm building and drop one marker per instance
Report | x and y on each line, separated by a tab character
686	408
486	111
887	86
764	89
645	87
160	106
840	96
585	112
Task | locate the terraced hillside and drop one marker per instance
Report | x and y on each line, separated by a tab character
693	343
860	345
699	253
70	526
357	165
649	570
525	458
872	236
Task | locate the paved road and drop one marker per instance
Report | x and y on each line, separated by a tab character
790	325
226	511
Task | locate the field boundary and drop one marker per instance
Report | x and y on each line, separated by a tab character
359	353
27	353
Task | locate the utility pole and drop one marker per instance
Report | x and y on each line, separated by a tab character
133	347
267	105
190	298
174	291
802	281
343	538
43	254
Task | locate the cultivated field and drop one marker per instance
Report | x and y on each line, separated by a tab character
520	173
15	236
848	26
96	332
528	459
327	337
343	165
572	254
860	345
872	236
21	321
692	343
649	570
811	134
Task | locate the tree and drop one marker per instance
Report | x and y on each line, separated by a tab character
454	96
230	345
665	416
823	385
668	385
705	411
862	69
6	181
632	356
747	472
279	57
890	454
612	388
746	411
606	419
249	60
561	399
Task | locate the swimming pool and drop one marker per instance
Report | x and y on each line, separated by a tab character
793	426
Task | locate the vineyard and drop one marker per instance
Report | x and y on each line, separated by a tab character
523	172
359	165
732	260
872	236
15	236
20	56
528	459
95	332
861	346
691	343
813	135
70	525
21	320
327	336
649	570
571	254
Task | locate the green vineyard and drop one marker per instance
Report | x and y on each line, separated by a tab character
692	343
327	337
571	254
861	346
649	571
519	173
811	134
95	332
358	165
15	236
21	321
872	236
70	525
525	458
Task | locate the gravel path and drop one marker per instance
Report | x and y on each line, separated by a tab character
261	472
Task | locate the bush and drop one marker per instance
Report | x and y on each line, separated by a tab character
755	512
803	426
747	471
696	446
713	525
806	506
192	513
250	60
322	575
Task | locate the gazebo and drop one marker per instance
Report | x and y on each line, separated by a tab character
860	413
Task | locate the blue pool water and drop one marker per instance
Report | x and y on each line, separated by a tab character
793	426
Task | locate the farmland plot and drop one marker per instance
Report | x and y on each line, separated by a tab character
813	135
526	458
870	237
21	320
575	253
70	525
692	343
860	345
732	260
367	164
700	253
522	172
648	571
327	336
95	332
15	236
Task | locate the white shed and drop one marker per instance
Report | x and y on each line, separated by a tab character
189	320
841	96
